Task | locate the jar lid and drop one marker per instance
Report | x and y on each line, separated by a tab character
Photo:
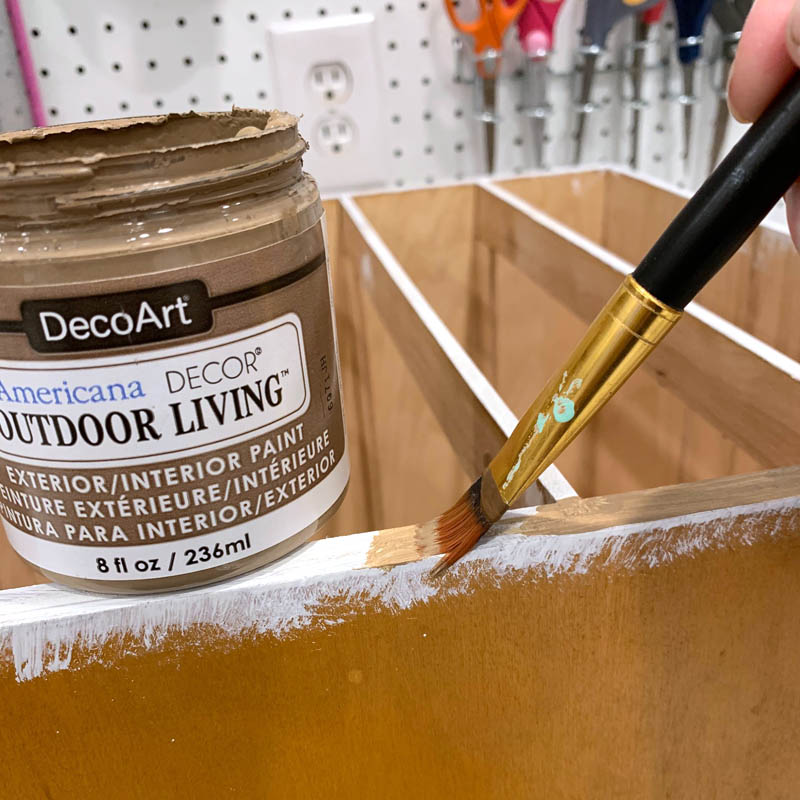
114	166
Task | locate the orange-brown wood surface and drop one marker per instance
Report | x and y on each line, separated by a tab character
665	668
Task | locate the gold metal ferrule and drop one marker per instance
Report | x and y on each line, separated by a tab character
624	333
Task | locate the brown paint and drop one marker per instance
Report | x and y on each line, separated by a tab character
204	229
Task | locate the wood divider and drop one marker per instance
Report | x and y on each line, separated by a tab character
473	416
746	389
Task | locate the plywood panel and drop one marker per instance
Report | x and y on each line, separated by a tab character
577	199
626	215
714	375
654	661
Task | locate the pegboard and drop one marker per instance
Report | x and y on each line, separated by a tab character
120	58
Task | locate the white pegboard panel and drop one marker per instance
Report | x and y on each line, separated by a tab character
121	58
14	108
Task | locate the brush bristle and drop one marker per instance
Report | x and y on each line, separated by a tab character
455	532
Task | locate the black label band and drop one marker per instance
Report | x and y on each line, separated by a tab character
139	317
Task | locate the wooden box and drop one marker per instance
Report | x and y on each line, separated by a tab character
634	636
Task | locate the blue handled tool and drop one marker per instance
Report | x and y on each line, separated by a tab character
691	16
601	16
729	16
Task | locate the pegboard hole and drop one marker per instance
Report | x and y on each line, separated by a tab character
227	97
392	45
252	17
389	7
181	22
423	5
222	58
287	14
604	133
116	66
458	113
187	61
158	102
80	69
216	19
152	64
262	95
458	147
394	83
426	80
356	9
395	119
397	153
428	149
123	106
429	179
424	43
194	100
53	112
34	32
256	56
518	141
72	30
108	27
427	116
44	72
145	24
321	12
89	109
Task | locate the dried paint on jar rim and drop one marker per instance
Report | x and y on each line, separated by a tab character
170	406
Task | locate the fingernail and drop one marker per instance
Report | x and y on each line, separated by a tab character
794	26
734	113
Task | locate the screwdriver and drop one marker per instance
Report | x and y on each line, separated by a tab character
691	16
535	31
601	16
644	22
729	16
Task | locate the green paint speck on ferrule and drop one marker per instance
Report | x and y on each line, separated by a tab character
563	409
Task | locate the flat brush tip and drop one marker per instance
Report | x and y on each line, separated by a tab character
455	532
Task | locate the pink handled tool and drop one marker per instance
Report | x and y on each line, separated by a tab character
535	31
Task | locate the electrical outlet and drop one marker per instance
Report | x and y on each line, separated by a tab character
325	69
332	82
335	135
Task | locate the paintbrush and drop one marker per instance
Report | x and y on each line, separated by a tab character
712	226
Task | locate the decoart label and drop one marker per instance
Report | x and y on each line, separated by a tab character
220	436
179	400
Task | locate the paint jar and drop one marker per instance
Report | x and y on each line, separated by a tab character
170	409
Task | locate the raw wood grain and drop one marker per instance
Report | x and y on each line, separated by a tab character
744	397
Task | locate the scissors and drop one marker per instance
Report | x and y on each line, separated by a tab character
487	30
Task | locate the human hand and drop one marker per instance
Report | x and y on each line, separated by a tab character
767	55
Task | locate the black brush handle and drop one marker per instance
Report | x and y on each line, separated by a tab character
729	206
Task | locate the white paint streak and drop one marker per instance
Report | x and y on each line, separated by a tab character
39	626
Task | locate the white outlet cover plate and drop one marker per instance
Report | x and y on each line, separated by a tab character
297	46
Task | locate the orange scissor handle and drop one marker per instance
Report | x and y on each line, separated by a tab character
488	28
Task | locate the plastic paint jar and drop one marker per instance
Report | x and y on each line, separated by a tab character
170	408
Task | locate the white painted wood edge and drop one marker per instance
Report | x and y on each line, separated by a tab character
551	479
470	180
747	341
40	625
